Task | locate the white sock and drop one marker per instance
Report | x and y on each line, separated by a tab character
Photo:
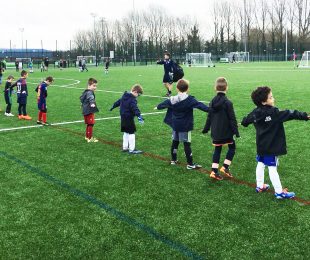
125	141
275	179
132	142
260	169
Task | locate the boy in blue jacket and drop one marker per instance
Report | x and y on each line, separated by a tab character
180	118
128	110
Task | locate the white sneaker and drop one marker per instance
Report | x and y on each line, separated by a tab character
10	114
6	114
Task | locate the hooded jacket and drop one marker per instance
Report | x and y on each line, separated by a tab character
87	99
221	119
128	106
180	112
270	134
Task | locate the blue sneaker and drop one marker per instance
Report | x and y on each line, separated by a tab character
263	189
135	152
284	195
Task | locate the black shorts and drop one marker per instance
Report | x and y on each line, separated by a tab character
167	79
128	125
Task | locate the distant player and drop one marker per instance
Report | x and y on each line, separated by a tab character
181	119
30	66
84	66
270	138
89	108
128	110
2	67
223	124
22	94
168	75
41	100
107	65
8	90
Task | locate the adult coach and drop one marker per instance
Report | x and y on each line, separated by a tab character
168	68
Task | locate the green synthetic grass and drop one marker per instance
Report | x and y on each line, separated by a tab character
56	189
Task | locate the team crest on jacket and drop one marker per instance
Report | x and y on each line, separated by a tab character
268	119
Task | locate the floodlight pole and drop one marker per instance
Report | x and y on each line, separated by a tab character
134	34
286	44
244	20
94	16
22	31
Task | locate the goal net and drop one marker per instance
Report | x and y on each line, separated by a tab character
304	62
199	60
90	60
238	56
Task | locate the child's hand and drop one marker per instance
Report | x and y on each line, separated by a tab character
155	108
92	105
141	120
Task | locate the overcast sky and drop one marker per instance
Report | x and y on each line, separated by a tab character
51	20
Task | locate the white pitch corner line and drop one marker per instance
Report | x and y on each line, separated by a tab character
72	122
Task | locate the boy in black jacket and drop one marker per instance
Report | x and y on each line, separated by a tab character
128	110
180	118
270	138
223	124
89	108
8	90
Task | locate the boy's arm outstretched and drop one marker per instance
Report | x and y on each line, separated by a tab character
116	104
201	106
163	105
249	119
287	115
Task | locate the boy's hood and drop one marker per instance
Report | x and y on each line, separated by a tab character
178	98
218	101
127	96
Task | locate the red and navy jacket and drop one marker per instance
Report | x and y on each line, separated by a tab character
22	91
42	93
270	134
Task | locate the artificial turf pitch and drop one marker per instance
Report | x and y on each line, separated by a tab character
63	198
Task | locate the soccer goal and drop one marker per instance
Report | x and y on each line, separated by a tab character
238	56
199	60
304	62
90	60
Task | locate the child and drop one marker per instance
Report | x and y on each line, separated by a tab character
223	124
168	76
270	138
89	107
8	89
128	110
30	66
41	99
22	94
107	64
180	118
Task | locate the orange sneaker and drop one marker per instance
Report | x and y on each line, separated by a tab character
20	117
26	117
216	176
226	172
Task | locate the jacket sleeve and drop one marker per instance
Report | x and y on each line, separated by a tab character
232	119
201	106
134	108
165	104
207	126
249	119
287	115
116	104
160	62
91	98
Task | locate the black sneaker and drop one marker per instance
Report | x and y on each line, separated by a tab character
125	150
46	124
39	122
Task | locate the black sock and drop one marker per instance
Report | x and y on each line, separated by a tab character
169	91
226	166
188	153
174	150
215	170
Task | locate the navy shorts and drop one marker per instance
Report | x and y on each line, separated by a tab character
128	125
167	79
268	160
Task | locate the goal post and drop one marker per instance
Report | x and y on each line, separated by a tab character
238	56
90	60
199	60
305	60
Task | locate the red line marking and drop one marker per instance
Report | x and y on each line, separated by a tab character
164	159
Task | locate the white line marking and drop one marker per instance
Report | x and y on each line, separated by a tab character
73	122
